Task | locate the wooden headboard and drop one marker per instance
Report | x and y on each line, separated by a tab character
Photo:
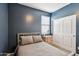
25	34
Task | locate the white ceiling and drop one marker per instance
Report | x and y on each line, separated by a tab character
48	7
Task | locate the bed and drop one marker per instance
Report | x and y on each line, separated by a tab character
39	49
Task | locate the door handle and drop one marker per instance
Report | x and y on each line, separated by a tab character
74	35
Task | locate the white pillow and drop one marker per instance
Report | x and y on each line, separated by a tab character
37	38
26	40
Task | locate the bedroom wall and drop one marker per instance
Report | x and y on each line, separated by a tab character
70	9
18	24
3	27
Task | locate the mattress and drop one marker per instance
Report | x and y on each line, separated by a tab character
40	49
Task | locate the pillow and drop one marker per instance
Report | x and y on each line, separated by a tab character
26	40
37	38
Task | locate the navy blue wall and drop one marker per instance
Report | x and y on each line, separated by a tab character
70	9
3	27
17	22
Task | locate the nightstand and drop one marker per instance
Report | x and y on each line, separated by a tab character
48	39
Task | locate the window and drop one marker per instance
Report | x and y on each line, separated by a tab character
45	25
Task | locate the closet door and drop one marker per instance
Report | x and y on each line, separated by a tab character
64	32
74	33
61	32
69	31
57	32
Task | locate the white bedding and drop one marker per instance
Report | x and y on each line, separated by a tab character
40	49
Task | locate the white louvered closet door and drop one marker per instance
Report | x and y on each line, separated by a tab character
57	31
67	33
64	32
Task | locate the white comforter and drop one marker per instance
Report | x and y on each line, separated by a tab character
40	49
